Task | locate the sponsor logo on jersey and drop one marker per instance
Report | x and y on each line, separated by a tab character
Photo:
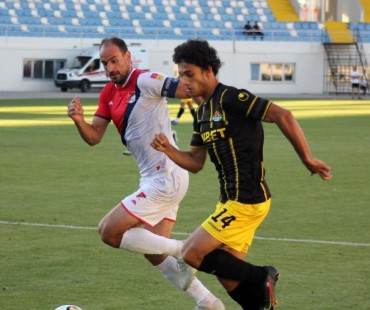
157	76
132	99
243	96
214	135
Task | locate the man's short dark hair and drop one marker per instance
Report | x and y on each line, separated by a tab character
197	52
115	41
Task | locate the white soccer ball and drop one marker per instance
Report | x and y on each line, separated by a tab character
68	307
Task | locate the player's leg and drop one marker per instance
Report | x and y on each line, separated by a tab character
358	91
114	224
118	229
191	107
251	297
156	199
234	225
249	285
179	113
352	90
180	274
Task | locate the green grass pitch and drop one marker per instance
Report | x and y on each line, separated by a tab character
55	189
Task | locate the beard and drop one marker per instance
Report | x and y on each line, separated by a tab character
118	77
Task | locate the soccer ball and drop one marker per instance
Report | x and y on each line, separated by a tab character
68	307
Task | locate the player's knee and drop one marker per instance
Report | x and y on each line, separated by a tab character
107	236
191	257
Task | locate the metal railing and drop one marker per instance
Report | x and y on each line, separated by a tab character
88	32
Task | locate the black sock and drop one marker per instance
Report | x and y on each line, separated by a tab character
181	112
225	265
245	296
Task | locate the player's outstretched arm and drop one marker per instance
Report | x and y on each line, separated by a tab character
90	133
192	160
289	126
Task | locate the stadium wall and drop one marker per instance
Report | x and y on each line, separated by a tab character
237	57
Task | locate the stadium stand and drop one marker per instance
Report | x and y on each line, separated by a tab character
339	32
154	19
147	19
361	31
283	10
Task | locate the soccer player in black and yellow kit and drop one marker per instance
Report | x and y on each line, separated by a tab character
229	129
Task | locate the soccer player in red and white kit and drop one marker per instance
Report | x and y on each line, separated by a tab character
135	102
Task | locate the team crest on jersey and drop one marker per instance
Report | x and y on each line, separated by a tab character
157	76
217	116
243	96
132	99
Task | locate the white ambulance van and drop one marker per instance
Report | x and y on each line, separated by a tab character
87	71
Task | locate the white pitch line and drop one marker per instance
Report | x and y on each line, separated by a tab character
343	243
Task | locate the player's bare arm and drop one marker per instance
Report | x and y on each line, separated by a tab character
289	126
192	160
92	133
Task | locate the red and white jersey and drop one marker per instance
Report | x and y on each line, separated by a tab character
139	111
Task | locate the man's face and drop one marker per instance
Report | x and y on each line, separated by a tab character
117	65
195	79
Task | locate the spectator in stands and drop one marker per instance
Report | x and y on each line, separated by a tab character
247	29
364	85
355	81
256	32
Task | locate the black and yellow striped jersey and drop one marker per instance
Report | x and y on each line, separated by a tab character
229	125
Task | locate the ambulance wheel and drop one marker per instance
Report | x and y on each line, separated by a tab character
85	86
64	89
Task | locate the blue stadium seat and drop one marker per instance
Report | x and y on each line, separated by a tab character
181	23
361	27
135	15
70	7
203	3
161	9
54	6
112	31
45	13
228	33
178	2
29	20
2	30
4	12
4	20
206	10
191	10
188	32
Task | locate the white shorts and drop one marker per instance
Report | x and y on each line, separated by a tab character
158	197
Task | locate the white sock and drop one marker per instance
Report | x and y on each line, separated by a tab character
170	271
142	241
201	294
196	290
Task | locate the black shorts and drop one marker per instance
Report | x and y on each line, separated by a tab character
355	85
